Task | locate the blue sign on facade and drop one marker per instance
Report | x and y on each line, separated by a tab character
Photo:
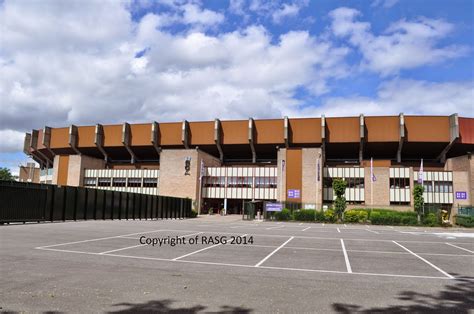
293	193
273	207
461	195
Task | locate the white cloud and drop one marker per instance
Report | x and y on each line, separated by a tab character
404	45
12	141
407	96
286	10
193	14
190	75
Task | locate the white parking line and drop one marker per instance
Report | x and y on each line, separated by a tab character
424	260
275	227
306	229
372	231
345	226
206	248
98	239
338	230
346	258
134	246
461	248
300	224
274	251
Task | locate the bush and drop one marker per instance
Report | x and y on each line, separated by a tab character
284	215
465	221
430	220
392	217
193	214
351	216
319	216
304	215
329	216
355	216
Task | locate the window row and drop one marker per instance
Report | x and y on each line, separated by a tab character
437	186
240	182
351	182
121	182
400	183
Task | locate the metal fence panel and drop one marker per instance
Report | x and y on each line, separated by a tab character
38	202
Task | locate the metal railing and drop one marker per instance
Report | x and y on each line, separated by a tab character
24	202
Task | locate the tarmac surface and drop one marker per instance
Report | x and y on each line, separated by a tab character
107	266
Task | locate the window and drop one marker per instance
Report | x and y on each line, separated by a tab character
327	182
119	182
443	187
150	182
90	181
104	182
266	182
214	182
134	182
401	183
400	203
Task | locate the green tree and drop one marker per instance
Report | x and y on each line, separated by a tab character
339	187
5	174
418	199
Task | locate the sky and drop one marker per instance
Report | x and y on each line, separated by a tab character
96	61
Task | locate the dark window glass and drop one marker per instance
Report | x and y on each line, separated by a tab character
104	182
134	182
150	182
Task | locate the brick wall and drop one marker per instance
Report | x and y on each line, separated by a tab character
311	187
77	164
381	195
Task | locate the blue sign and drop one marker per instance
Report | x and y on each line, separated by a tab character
461	195
273	207
293	193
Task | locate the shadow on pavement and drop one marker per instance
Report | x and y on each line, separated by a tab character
455	298
165	307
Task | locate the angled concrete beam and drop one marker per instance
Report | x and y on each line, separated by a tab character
36	152
286	133
251	140
401	136
126	141
73	137
185	134
47	139
155	137
454	136
99	140
362	137
323	140
218	138
26	144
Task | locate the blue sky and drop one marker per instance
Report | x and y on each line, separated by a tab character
89	61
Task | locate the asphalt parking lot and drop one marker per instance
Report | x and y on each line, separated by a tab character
107	266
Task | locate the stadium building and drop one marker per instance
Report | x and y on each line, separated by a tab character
222	164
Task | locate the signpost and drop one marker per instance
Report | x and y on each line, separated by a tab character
273	207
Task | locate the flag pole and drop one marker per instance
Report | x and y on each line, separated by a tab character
372	183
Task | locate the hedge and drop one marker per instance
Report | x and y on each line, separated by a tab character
392	217
465	221
284	215
305	215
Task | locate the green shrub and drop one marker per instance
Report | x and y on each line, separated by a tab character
351	216
392	217
465	221
319	216
430	220
284	215
193	214
304	215
363	215
329	216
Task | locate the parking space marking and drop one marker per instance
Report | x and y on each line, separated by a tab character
338	230
204	249
461	248
273	252
372	231
275	227
424	260
134	246
300	224
346	258
306	229
99	239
